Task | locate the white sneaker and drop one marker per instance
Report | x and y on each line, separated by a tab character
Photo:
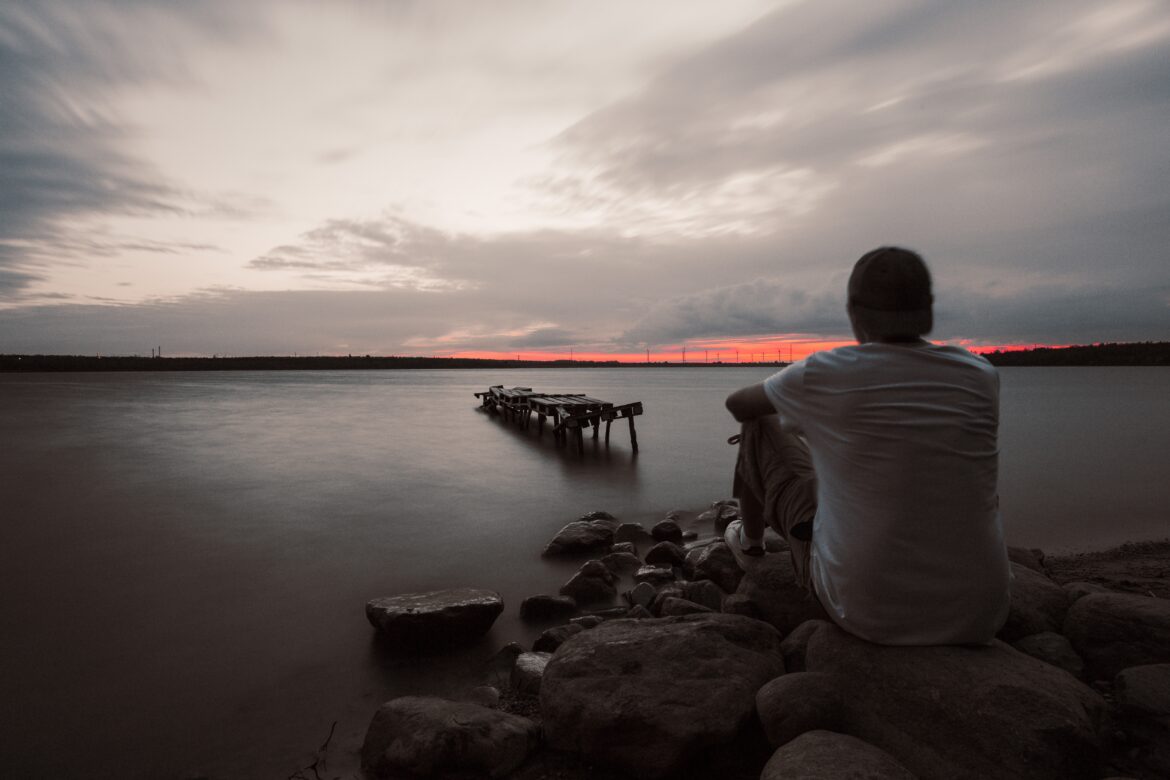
747	554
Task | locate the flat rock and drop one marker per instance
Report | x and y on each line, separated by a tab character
771	590
1037	605
550	639
666	531
656	575
1113	631
797	702
528	671
427	736
1144	690
826	755
1054	649
546	607
959	712
648	697
581	536
436	618
666	554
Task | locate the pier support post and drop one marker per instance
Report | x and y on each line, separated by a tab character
607	424
633	434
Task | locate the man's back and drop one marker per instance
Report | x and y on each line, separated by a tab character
907	544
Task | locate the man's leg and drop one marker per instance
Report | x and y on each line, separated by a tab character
776	485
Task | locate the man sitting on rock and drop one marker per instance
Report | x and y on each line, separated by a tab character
878	463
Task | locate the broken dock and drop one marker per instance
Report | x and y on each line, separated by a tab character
570	413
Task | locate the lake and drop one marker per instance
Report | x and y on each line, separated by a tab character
187	555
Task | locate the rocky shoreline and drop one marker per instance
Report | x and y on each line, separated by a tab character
661	658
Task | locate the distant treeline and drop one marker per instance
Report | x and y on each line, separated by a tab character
1144	353
1148	353
265	363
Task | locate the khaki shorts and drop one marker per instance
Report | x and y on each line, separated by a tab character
774	478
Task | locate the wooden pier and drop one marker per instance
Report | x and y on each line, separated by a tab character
570	413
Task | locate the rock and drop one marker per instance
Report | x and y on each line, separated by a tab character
621	562
609	613
674	514
484	695
593	582
672	606
527	672
666	531
959	712
546	607
669	590
1030	558
716	563
643	594
586	621
720	516
597	514
666	554
689	535
630	532
1054	649
705	593
648	697
1076	590
625	547
1144	690
772	591
499	666
654	574
1037	604
825	755
798	702
1112	631
436	618
735	604
554	637
581	536
428	736
638	612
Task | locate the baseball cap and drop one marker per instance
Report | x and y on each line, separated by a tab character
890	287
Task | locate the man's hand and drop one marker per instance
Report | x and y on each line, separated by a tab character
749	402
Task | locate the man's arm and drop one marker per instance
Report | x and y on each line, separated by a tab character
749	402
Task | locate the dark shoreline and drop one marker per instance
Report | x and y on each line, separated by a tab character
1150	353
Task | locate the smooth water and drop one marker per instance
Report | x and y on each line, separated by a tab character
186	556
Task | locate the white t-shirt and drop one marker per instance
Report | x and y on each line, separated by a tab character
907	545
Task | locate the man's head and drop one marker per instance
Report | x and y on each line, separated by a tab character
889	296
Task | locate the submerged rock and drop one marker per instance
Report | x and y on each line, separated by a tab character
592	583
1112	631
435	618
428	736
546	607
647	697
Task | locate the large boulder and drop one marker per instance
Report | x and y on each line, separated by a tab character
959	712
1037	605
1052	648
1144	690
426	736
436	618
582	536
771	591
648	697
716	563
825	755
1112	631
797	702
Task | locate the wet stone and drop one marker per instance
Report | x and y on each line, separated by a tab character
434	618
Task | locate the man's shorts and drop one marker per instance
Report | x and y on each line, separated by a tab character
774	476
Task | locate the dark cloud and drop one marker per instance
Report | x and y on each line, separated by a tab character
62	151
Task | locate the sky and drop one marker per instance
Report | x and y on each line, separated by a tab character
601	179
